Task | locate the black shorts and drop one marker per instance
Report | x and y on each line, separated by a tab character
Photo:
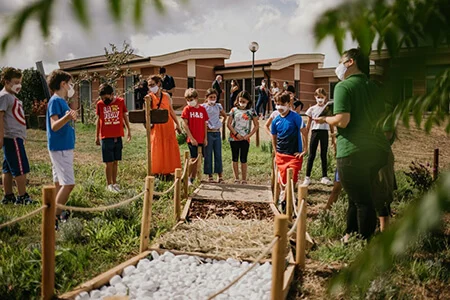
112	149
194	150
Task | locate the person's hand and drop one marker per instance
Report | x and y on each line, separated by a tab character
299	155
72	114
239	137
333	143
246	137
205	143
129	136
97	141
319	120
194	142
178	129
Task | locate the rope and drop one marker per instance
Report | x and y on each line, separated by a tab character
280	180
186	164
293	197
257	261
29	215
292	231
168	190
99	208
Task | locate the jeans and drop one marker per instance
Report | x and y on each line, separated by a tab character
359	174
316	137
214	147
261	105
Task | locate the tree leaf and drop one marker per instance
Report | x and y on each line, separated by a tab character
115	7
137	12
79	8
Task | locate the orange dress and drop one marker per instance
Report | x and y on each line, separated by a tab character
165	151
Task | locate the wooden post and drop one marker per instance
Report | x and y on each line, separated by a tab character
147	213
223	131
289	195
257	137
276	189
302	192
177	195
272	174
186	175
300	248
436	164
199	164
278	257
48	243
148	122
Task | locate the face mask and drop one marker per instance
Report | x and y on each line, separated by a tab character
263	84
154	89
192	103
320	101
107	101
285	86
281	108
16	88
212	102
71	91
242	105
340	71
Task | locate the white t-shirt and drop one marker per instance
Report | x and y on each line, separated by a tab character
314	112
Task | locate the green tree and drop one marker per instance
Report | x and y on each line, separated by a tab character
420	27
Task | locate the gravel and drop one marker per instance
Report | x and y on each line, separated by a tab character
184	277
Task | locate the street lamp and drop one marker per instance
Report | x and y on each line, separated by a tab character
253	47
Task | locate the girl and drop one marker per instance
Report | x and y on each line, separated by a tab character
234	91
214	145
319	133
273	91
239	124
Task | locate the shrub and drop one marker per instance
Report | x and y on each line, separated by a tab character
420	176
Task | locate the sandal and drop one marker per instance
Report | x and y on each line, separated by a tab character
210	179
244	182
236	181
220	180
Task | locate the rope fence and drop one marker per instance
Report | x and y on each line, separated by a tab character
176	180
27	216
293	198
100	208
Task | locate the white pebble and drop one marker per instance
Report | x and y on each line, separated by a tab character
115	280
128	271
155	255
82	296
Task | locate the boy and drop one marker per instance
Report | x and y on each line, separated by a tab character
287	142
61	138
12	136
111	115
195	120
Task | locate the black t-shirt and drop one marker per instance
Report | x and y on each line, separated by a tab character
168	83
298	103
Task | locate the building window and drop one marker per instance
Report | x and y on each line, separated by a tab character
85	92
297	88
332	86
191	82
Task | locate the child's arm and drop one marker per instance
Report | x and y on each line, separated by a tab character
224	115
97	131
304	134
127	125
205	142
255	128
308	126
333	137
188	132
274	142
268	124
56	123
2	131
174	118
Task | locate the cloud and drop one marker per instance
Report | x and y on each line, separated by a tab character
281	27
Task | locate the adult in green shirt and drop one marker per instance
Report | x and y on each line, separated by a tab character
362	148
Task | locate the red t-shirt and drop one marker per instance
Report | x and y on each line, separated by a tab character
111	118
197	118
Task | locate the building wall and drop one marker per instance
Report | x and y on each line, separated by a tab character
307	84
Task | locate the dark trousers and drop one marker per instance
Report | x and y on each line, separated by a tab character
261	106
239	150
317	136
358	174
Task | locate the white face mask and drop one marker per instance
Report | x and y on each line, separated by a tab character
211	102
71	91
285	86
16	88
154	89
281	108
242	105
192	103
320	101
340	71
263	84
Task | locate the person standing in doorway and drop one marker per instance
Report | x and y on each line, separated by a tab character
263	99
168	83
216	85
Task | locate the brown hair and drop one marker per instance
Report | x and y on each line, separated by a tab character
283	97
56	77
246	96
275	84
236	83
320	91
210	92
9	73
156	78
190	93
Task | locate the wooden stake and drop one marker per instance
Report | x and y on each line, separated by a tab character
278	256
148	122
300	251
177	195
276	189
436	164
147	213
199	164
289	195
186	175
302	192
272	174
48	242
257	137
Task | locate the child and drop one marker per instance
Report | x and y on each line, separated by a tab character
215	111
287	141
111	115
319	134
61	138
195	120
13	131
240	123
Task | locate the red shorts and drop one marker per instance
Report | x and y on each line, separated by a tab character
284	162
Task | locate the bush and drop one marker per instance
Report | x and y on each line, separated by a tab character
420	176
181	138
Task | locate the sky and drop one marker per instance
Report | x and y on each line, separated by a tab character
281	28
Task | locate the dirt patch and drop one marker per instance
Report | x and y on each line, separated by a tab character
205	209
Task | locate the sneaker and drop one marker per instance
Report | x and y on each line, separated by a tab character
24	199
10	198
282	206
307	181
282	195
191	181
110	188
64	216
116	187
56	224
326	181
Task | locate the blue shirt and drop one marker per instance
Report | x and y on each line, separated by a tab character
213	115
64	138
287	129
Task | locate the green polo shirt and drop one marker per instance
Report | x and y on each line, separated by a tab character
359	96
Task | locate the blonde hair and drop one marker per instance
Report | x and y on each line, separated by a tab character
191	93
320	91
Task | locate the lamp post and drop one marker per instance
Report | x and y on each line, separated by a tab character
253	47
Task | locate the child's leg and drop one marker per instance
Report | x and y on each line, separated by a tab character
209	154
217	148
115	166
21	184
312	152
118	146
63	196
235	157
63	175
109	172
7	179
244	155
323	137
194	154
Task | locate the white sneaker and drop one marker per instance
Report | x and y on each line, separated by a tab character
307	181
282	195
116	187
326	181
110	188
